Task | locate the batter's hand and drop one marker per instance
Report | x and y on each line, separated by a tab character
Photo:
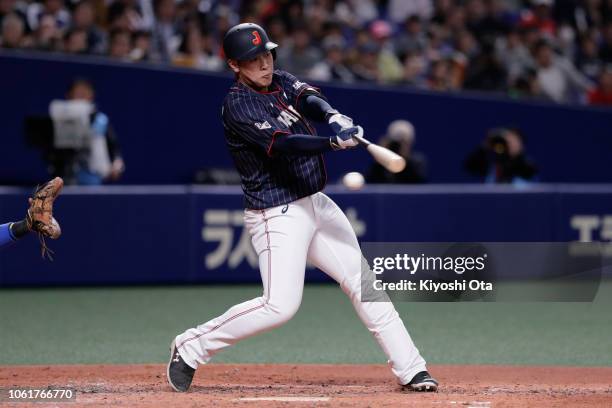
339	122
344	139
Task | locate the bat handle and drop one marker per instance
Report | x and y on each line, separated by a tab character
362	140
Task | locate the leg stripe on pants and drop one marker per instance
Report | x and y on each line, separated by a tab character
269	257
251	309
220	324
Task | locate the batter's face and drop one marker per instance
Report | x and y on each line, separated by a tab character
256	72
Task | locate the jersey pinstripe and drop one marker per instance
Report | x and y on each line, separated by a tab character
252	121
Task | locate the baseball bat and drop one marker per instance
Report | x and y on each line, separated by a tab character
385	157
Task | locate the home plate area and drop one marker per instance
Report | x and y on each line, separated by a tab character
283	385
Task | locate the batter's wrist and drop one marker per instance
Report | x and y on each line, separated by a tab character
330	113
333	142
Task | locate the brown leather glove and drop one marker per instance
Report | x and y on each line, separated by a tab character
40	214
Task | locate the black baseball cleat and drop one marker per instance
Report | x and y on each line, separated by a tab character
422	381
179	373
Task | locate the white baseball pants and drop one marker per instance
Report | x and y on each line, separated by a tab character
285	237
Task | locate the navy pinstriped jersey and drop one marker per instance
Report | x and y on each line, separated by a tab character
252	121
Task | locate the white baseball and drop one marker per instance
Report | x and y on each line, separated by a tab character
353	180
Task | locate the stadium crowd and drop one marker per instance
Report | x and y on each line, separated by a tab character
559	50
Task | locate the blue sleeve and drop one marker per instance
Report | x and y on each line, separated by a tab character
249	119
315	108
6	237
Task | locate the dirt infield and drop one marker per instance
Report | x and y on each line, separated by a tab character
254	385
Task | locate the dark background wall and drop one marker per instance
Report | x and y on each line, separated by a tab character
169	122
180	234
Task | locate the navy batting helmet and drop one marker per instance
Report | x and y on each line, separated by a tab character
245	41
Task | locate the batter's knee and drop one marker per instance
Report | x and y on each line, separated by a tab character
282	312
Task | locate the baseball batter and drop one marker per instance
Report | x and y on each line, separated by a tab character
280	160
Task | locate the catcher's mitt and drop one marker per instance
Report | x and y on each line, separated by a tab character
40	214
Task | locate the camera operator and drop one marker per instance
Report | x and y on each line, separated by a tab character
400	138
102	160
501	158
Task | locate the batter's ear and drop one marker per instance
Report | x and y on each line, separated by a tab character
233	64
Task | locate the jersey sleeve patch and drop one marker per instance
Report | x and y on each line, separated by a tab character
294	88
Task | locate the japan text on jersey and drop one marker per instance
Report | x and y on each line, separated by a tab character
252	121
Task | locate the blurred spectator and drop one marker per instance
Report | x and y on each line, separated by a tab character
605	51
333	66
12	33
83	18
48	36
411	38
131	15
399	10
526	86
485	72
530	37
501	158
588	61
400	139
292	15
118	17
475	13
120	44
365	67
581	14
443	76
539	16
75	41
439	43
557	76
317	16
190	14
195	52
276	29
450	15
466	45
141	50
487	45
102	161
486	19
299	56
389	66
363	11
466	50
566	42
166	38
602	95
10	7
53	8
442	10
513	54
415	69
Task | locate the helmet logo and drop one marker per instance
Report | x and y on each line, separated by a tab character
257	38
